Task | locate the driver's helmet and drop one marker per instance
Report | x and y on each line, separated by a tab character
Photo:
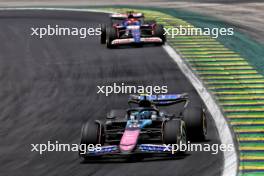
144	115
132	21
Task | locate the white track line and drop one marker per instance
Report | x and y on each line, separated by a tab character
225	133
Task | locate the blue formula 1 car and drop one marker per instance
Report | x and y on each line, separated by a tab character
131	28
145	128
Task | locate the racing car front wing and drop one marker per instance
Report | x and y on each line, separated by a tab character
141	148
132	40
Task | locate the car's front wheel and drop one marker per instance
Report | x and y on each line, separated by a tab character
110	36
103	34
160	32
92	133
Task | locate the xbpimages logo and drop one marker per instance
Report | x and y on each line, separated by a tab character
129	89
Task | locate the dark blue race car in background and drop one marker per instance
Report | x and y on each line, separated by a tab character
130	28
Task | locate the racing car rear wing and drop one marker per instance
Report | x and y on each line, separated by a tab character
124	16
160	100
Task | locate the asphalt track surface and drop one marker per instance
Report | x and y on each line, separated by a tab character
48	89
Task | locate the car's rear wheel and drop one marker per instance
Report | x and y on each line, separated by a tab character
110	36
174	133
103	33
159	32
196	125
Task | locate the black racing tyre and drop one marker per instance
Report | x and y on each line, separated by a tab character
92	133
110	36
174	132
159	32
196	125
103	34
